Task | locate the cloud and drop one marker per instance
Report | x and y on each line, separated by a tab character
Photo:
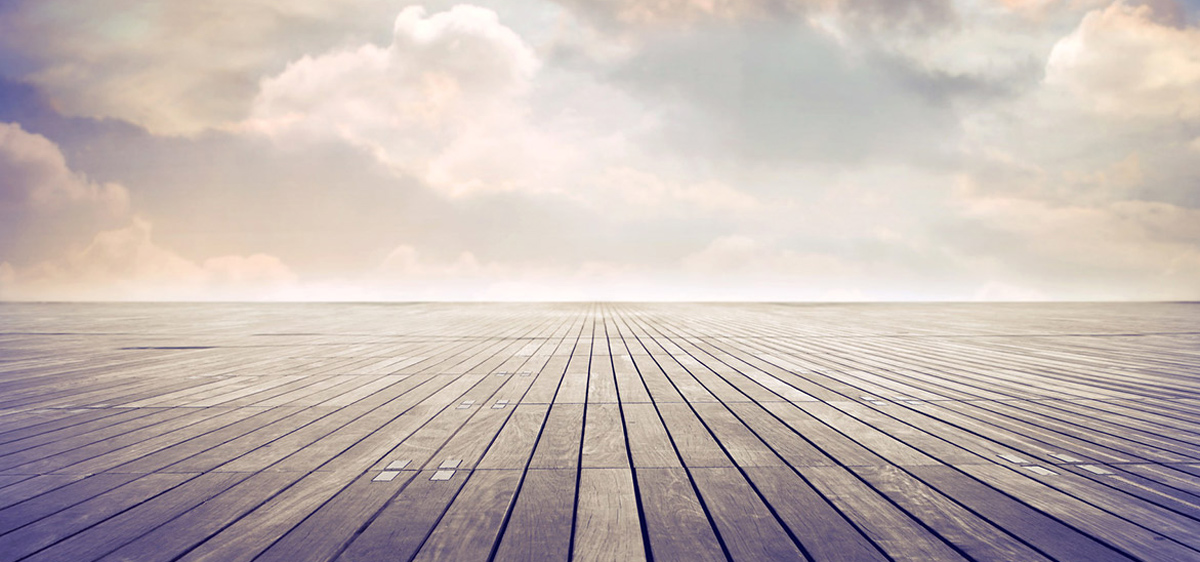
996	291
741	267
174	68
778	96
406	274
740	256
633	191
1112	119
1124	61
1083	186
405	263
67	237
459	101
36	175
442	102
44	205
867	13
1118	250
126	264
675	149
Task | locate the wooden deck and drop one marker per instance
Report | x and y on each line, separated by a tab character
361	432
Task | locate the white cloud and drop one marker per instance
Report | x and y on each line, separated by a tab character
1123	249
1124	61
126	264
35	174
998	291
405	263
690	149
442	102
175	68
739	256
875	13
117	258
406	274
633	191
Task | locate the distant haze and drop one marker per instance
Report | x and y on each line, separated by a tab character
807	150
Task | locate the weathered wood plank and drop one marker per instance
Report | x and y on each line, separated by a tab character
607	522
542	431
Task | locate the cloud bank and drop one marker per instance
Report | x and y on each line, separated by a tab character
730	149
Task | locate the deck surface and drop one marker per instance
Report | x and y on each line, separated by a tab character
361	432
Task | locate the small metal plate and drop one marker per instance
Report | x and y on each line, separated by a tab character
1065	457
500	404
398	465
386	476
1013	459
466	404
450	463
442	475
1095	469
526	373
1040	470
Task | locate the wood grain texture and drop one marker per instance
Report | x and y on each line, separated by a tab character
607	522
599	431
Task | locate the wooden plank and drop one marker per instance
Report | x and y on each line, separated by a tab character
397	532
747	527
893	530
324	534
705	431
1035	528
180	535
971	535
253	533
742	444
822	531
169	437
32	486
876	441
513	447
602	382
604	437
1131	539
193	446
630	386
659	386
43	533
539	528
475	437
113	533
676	524
267	436
830	442
696	446
559	444
471	526
50	494
547	380
607	523
783	440
649	444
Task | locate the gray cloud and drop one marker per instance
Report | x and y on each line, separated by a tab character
790	96
705	150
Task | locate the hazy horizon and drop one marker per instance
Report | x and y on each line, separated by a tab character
577	150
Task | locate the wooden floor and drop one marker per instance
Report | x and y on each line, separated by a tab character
294	432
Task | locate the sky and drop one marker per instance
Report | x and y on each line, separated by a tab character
794	150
